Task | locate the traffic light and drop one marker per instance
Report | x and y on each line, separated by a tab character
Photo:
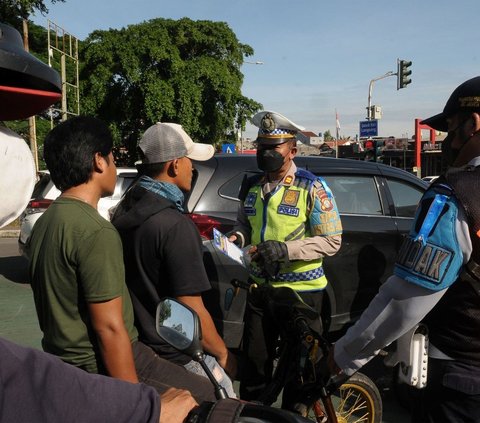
403	73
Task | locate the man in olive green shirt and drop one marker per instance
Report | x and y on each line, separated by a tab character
82	247
77	273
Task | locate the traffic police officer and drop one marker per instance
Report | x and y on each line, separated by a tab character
436	277
289	217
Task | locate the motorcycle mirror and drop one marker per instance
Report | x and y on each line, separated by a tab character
179	325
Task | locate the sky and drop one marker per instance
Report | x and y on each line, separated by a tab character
320	56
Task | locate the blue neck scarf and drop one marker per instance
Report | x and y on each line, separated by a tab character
164	189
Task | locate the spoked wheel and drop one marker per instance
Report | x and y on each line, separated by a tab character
356	401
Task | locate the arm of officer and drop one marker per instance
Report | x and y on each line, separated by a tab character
324	224
314	247
398	307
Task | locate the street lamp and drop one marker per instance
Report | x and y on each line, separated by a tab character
370	88
257	62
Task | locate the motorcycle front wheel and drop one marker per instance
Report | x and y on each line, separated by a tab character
358	400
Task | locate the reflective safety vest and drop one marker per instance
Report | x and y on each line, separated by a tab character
282	215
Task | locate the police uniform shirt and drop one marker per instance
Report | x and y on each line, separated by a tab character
303	249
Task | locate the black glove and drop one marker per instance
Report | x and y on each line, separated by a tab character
271	255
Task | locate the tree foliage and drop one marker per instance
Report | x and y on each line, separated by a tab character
182	71
327	136
14	11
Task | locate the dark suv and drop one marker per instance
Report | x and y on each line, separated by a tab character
376	203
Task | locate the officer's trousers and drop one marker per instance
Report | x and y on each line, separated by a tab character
259	343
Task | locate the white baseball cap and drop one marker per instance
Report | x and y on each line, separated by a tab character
163	142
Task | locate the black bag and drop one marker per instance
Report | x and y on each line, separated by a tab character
232	411
221	411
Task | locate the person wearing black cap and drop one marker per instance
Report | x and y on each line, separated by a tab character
289	217
436	278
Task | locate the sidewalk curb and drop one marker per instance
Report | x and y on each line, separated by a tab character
9	233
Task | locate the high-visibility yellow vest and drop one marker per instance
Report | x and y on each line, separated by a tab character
283	216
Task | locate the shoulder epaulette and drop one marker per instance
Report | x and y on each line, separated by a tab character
302	173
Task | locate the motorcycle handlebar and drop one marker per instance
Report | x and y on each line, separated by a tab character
303	327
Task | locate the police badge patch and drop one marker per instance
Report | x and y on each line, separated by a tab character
326	203
288	203
290	197
426	263
249	204
250	200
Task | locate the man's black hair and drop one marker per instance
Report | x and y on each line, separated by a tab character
69	150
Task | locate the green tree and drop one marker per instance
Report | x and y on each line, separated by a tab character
14	12
327	136
165	70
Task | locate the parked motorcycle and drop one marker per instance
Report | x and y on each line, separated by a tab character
179	325
301	358
301	362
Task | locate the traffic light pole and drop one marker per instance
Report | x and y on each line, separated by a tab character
370	88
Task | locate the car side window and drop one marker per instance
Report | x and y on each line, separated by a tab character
41	185
123	182
355	194
127	181
405	197
231	188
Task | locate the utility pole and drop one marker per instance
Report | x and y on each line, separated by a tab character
256	62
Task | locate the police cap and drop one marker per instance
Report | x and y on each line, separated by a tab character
274	128
466	97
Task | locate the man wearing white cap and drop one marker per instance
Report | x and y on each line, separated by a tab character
290	218
162	247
